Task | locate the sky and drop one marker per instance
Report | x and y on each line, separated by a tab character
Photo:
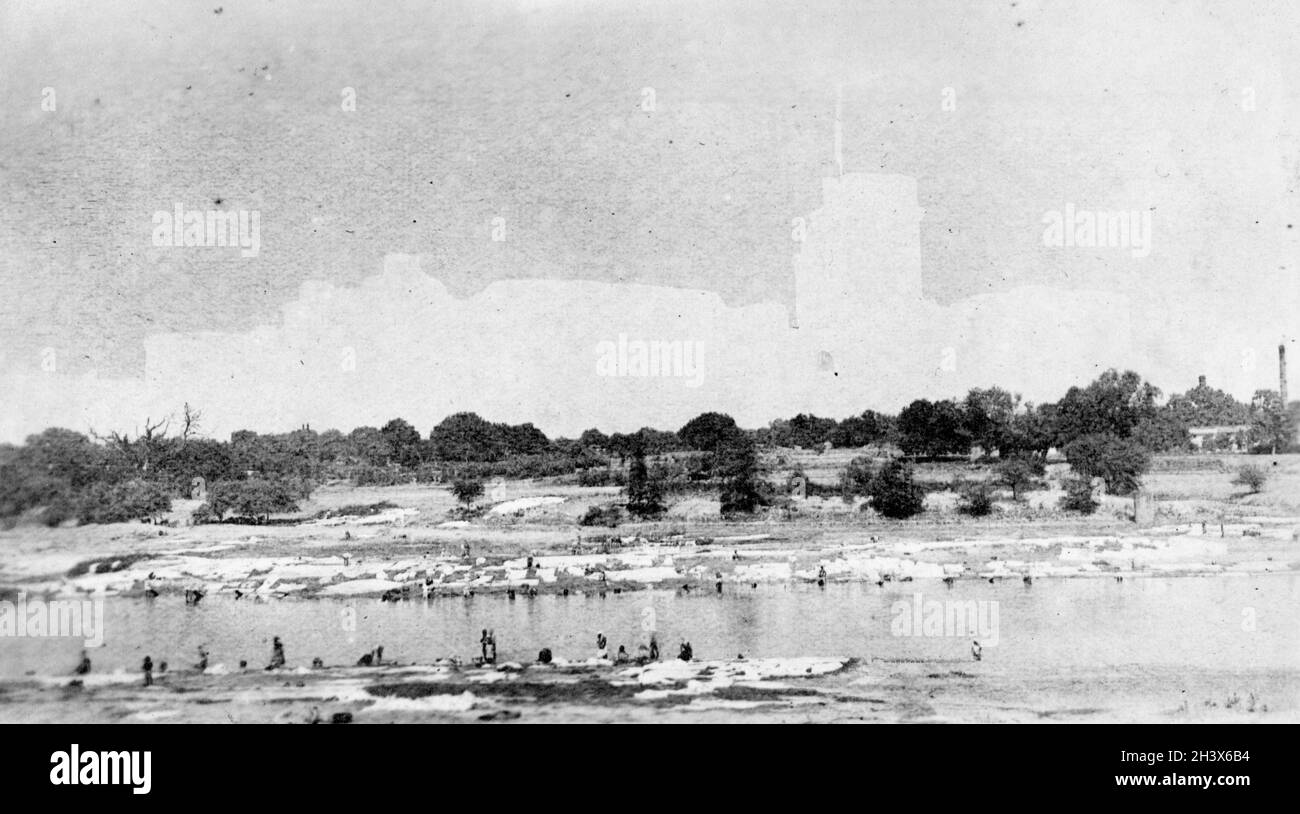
836	206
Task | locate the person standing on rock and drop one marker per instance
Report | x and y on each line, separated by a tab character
147	666
654	648
602	651
84	666
492	647
976	651
483	645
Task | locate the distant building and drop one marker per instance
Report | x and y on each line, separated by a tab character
1225	438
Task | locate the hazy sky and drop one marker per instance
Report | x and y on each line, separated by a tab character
647	163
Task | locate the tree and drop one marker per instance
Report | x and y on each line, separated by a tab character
255	498
708	432
403	442
63	455
522	439
594	439
624	445
894	493
1113	404
199	458
933	428
1121	462
467	490
856	478
145	450
1252	477
467	437
1032	431
644	495
738	464
1163	432
804	431
1273	428
658	442
858	431
1205	406
1019	472
988	416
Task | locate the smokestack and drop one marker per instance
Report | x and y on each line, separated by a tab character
1200	381
1281	373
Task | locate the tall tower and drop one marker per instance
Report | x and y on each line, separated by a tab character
1281	373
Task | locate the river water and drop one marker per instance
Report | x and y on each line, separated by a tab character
1193	623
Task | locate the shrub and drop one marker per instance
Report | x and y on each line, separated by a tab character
1078	496
60	509
203	514
467	512
124	502
1252	477
976	499
893	492
601	516
255	498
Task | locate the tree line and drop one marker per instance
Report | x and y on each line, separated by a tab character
60	474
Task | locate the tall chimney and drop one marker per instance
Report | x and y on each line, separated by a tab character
1281	373
1200	381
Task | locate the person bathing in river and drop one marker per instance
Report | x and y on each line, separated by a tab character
147	666
277	654
684	653
203	659
654	648
602	649
84	666
622	657
492	647
483	644
976	651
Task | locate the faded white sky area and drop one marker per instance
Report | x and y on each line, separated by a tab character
379	290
